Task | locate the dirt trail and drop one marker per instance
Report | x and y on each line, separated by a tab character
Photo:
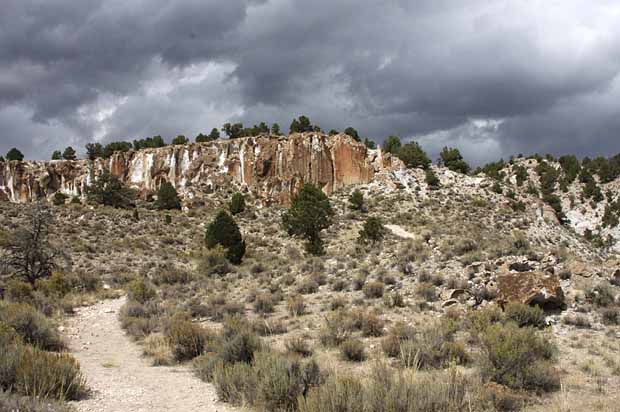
400	232
121	379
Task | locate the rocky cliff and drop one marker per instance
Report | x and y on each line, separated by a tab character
272	168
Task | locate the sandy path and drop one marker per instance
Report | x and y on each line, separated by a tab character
121	379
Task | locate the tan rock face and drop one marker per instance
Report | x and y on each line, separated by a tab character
273	168
531	288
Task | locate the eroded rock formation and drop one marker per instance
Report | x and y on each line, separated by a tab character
273	168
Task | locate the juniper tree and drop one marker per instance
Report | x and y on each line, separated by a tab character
310	212
224	231
167	197
237	203
108	190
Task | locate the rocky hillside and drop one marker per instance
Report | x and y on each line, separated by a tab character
270	167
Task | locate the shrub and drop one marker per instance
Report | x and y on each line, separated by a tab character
334	331
60	199
296	305
390	391
601	295
399	333
50	375
240	347
434	347
431	179
158	348
353	350
205	364
426	291
237	203
373	290
372	231
224	231
280	381
525	315
167	197
18	291
141	290
234	382
307	287
264	303
356	200
213	262
187	340
518	358
11	349
171	276
12	402
372	325
299	346
32	326
611	316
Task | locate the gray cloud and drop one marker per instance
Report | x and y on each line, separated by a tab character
495	78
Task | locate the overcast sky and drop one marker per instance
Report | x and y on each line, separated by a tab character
493	78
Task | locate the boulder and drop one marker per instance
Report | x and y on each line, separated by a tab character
531	288
524	266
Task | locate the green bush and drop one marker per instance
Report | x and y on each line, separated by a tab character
60	199
50	375
240	347
18	291
372	231
334	331
353	350
237	203
525	315
356	200
235	383
224	231
11	348
433	347
601	295
519	358
32	326
141	290
389	391
167	197
187	340
431	179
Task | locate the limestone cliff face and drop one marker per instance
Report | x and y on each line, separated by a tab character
273	168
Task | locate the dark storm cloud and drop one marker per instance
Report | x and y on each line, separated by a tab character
510	76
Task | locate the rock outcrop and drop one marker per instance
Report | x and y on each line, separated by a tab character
272	168
531	288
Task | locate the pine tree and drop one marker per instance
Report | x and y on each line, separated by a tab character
224	231
14	154
56	155
413	156
69	154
